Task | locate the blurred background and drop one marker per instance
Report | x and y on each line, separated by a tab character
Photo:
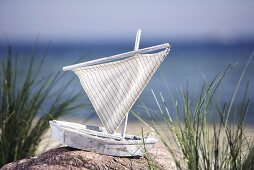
205	36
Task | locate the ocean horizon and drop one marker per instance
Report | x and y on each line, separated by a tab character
191	62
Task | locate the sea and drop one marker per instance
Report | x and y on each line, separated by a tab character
187	66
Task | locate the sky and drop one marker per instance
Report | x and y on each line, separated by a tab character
65	20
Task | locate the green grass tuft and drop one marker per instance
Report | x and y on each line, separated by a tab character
23	115
209	134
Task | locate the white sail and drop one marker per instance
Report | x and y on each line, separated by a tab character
114	87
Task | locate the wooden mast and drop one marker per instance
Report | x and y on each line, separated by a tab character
136	47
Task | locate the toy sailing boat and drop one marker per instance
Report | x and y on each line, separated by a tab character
112	84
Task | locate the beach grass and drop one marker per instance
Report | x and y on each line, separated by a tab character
24	116
208	133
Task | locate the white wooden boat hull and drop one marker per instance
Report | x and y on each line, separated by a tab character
95	139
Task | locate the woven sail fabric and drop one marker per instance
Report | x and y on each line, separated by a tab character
114	87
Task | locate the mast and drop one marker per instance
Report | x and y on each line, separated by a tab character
136	47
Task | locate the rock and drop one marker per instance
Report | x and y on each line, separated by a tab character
70	158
